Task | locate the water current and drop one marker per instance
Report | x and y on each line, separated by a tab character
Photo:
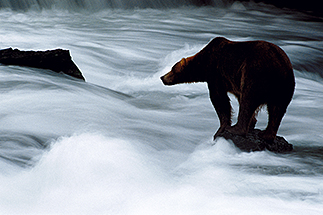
122	142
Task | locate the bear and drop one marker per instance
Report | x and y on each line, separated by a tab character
257	73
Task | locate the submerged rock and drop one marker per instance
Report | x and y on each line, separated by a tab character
57	60
252	142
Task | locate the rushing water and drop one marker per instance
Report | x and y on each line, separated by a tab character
123	143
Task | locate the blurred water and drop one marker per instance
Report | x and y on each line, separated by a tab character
123	143
102	4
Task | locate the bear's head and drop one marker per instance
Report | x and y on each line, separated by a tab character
187	70
177	74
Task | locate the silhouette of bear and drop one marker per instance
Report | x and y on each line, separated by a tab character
257	72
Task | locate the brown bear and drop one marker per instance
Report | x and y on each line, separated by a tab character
256	72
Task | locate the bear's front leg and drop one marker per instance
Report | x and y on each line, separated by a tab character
222	106
219	131
246	116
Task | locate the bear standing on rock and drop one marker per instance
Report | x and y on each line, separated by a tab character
256	72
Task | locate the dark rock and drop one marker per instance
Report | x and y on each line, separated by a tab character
252	142
57	60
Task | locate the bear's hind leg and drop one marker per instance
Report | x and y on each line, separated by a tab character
276	113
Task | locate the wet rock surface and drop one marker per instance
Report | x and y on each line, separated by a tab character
252	142
57	60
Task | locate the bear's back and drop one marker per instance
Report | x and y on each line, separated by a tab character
229	55
259	51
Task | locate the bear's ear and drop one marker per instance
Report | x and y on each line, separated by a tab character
183	62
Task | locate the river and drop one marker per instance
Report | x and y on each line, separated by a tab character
122	142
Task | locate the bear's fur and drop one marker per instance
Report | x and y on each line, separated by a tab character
256	72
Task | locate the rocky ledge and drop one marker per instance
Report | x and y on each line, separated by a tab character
57	60
252	142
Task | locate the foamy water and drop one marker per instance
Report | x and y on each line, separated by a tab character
123	143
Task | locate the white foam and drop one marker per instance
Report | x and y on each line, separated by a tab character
93	174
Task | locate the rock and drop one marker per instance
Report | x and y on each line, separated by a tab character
57	60
252	142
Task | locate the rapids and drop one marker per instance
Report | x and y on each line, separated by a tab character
122	142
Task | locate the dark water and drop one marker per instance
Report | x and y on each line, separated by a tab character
122	142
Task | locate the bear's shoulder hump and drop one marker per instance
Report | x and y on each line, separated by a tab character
219	41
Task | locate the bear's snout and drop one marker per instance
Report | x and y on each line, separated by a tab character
165	80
